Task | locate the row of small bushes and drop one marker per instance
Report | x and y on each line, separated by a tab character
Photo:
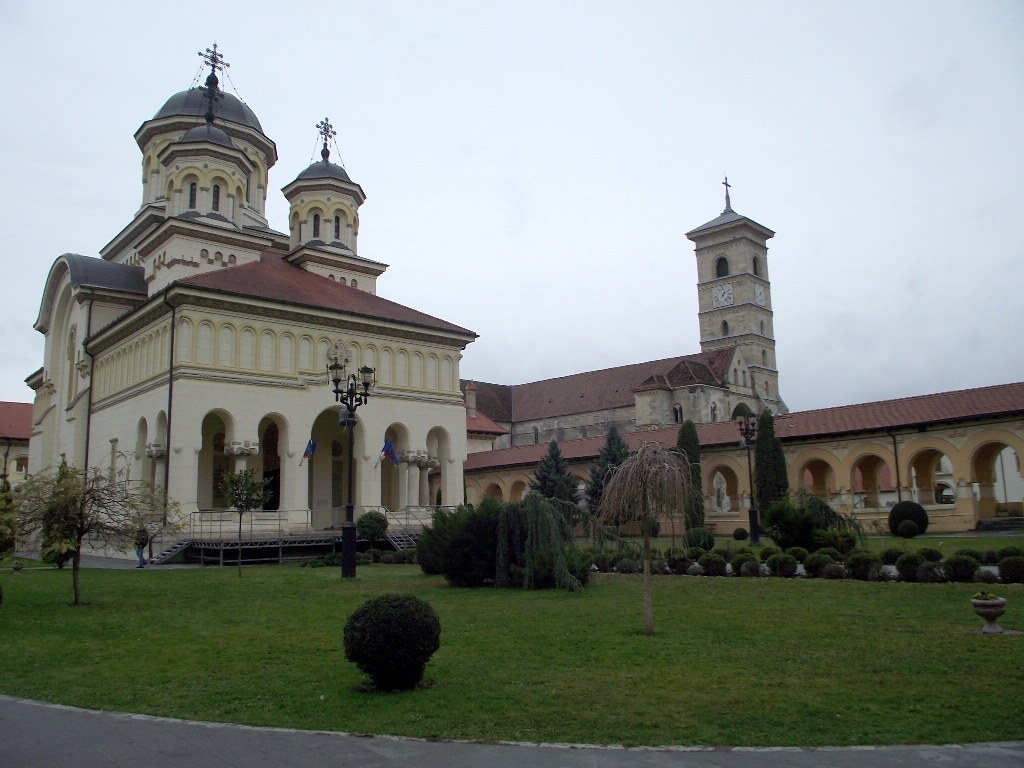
385	556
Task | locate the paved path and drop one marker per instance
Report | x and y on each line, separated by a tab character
37	735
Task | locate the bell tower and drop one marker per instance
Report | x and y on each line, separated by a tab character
734	296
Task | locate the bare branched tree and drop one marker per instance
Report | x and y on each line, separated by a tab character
652	483
68	509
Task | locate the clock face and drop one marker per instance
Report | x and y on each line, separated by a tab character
721	296
759	295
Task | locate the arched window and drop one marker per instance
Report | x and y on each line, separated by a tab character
714	412
536	435
354	283
744	378
343	281
216	197
757	266
735	376
192	192
316	225
330	277
764	358
725	328
722	267
678	413
762	327
337	227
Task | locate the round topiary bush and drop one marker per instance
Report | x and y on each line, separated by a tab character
724	552
831	552
862	565
991	558
740	534
798	552
930	555
767	552
391	638
908	529
891	555
751	568
713	565
626	565
931	573
907	510
976	554
833	571
696	553
372	526
1011	570
845	542
815	562
782	565
1006	552
739	560
961	567
699	537
907	566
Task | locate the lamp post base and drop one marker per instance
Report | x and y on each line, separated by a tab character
348	547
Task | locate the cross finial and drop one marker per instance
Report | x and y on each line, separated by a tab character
215	61
327	132
728	203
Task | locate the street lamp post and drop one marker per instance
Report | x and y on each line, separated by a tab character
347	392
747	424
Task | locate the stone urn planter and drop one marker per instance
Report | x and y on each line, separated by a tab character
17	567
990	610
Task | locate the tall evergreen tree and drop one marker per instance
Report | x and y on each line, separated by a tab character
771	481
689	444
552	478
613	453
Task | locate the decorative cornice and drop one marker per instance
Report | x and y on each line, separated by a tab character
305	254
205	149
175	123
196	230
148	219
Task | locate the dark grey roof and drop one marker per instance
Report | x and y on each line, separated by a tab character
193	102
728	216
90	272
208	133
324	169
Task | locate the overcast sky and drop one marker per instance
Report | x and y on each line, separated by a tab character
531	168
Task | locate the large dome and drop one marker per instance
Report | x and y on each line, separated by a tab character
193	103
324	170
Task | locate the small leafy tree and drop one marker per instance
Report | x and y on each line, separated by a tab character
688	446
770	478
551	478
245	492
372	526
69	508
792	524
653	482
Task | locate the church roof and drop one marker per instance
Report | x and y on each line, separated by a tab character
728	216
274	279
15	420
902	413
483	425
324	169
208	133
90	272
597	390
193	103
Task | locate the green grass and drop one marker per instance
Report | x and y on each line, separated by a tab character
733	661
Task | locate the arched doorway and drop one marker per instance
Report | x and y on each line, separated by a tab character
213	463
493	491
328	470
390	473
818	478
517	491
270	438
438	449
931	478
871	482
724	491
998	483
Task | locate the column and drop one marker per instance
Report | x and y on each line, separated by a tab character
413	479
424	494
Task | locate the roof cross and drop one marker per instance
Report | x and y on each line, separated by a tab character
214	61
327	132
728	204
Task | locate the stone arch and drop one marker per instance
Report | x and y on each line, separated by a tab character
757	266
305	353
818	477
217	433
247	348
996	469
391	474
517	491
447	375
722	482
722	267
327	468
273	436
205	343
386	372
142	463
930	475
286	353
870	476
226	346
268	350
493	491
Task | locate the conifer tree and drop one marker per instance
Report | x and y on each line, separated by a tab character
613	453
770	478
688	444
552	478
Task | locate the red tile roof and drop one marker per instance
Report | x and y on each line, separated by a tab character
483	425
902	413
274	279
15	420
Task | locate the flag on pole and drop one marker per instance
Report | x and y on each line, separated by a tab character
389	451
310	450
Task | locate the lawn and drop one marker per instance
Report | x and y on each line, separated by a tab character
733	661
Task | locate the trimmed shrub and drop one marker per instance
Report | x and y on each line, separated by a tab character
907	510
388	558
678	564
862	564
740	534
713	565
699	537
991	558
372	526
1011	570
782	565
695	569
907	566
744	551
930	555
977	554
391	638
724	552
892	554
432	544
625	565
1006	552
831	552
815	562
696	553
986	577
602	560
751	568
845	542
798	552
908	529
471	560
823	538
931	573
833	571
767	552
739	560
961	567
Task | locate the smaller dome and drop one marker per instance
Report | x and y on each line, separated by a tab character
325	169
207	133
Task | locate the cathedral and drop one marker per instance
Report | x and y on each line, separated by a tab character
198	342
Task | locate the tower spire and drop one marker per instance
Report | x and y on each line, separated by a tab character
215	61
728	203
327	133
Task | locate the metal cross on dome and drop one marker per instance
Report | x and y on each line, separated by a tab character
214	60
728	203
327	132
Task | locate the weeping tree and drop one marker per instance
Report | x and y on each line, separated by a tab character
534	541
651	483
245	491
